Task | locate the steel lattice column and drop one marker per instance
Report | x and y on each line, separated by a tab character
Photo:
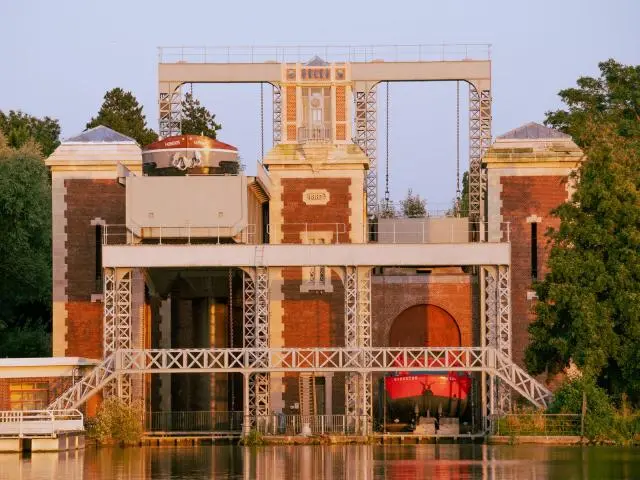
277	114
366	138
364	336
498	328
170	114
256	335
117	323
479	142
351	336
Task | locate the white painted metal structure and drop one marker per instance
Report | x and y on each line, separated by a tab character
363	360
39	423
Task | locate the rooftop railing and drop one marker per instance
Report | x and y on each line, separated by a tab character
39	423
328	53
427	230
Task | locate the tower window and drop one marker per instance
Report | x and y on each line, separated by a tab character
534	251
98	259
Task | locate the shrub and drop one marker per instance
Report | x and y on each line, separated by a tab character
116	422
599	419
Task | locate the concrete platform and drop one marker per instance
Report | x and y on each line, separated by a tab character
59	443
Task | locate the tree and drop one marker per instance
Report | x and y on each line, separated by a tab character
413	206
121	112
18	128
25	251
196	119
589	304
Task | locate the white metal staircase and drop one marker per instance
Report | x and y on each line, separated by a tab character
88	385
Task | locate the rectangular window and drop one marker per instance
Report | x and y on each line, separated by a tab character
28	396
98	265
534	251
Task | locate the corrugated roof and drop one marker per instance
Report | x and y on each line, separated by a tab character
100	134
532	130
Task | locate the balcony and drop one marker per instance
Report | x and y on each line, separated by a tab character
315	134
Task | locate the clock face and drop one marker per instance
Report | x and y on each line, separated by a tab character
315	102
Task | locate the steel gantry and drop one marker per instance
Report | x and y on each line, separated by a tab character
366	119
277	114
117	323
256	334
358	388
497	328
330	359
170	109
479	142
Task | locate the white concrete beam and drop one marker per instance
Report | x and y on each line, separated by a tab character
183	256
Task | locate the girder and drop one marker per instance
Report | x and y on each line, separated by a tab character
277	114
366	118
479	142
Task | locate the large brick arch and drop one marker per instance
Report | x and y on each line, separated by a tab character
424	325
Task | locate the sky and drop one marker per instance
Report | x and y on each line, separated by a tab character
58	58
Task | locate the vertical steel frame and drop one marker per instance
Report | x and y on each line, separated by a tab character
479	142
364	337
117	328
256	334
366	138
351	336
497	300
170	106
277	114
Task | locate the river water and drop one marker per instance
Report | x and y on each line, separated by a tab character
353	462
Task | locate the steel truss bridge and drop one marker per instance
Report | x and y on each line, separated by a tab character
256	361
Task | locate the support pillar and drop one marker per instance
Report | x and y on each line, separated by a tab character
479	142
170	106
256	335
117	324
246	410
358	387
366	138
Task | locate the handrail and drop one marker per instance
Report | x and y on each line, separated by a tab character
329	53
28	423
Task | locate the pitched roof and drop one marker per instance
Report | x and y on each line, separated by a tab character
532	130
100	134
316	61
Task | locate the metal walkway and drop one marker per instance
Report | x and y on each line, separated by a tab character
39	423
348	360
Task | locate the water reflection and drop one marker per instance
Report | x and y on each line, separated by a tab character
354	462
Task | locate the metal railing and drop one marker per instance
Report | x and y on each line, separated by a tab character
300	232
415	231
314	134
120	234
38	423
537	424
189	422
393	231
281	424
329	53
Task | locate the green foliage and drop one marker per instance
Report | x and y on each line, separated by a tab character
413	206
18	128
25	250
121	112
116	422
387	210
196	119
613	98
253	439
600	412
589	303
29	339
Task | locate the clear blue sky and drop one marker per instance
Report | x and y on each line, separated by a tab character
59	57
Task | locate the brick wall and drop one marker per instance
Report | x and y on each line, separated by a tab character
312	320
523	197
57	385
319	217
87	200
451	296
